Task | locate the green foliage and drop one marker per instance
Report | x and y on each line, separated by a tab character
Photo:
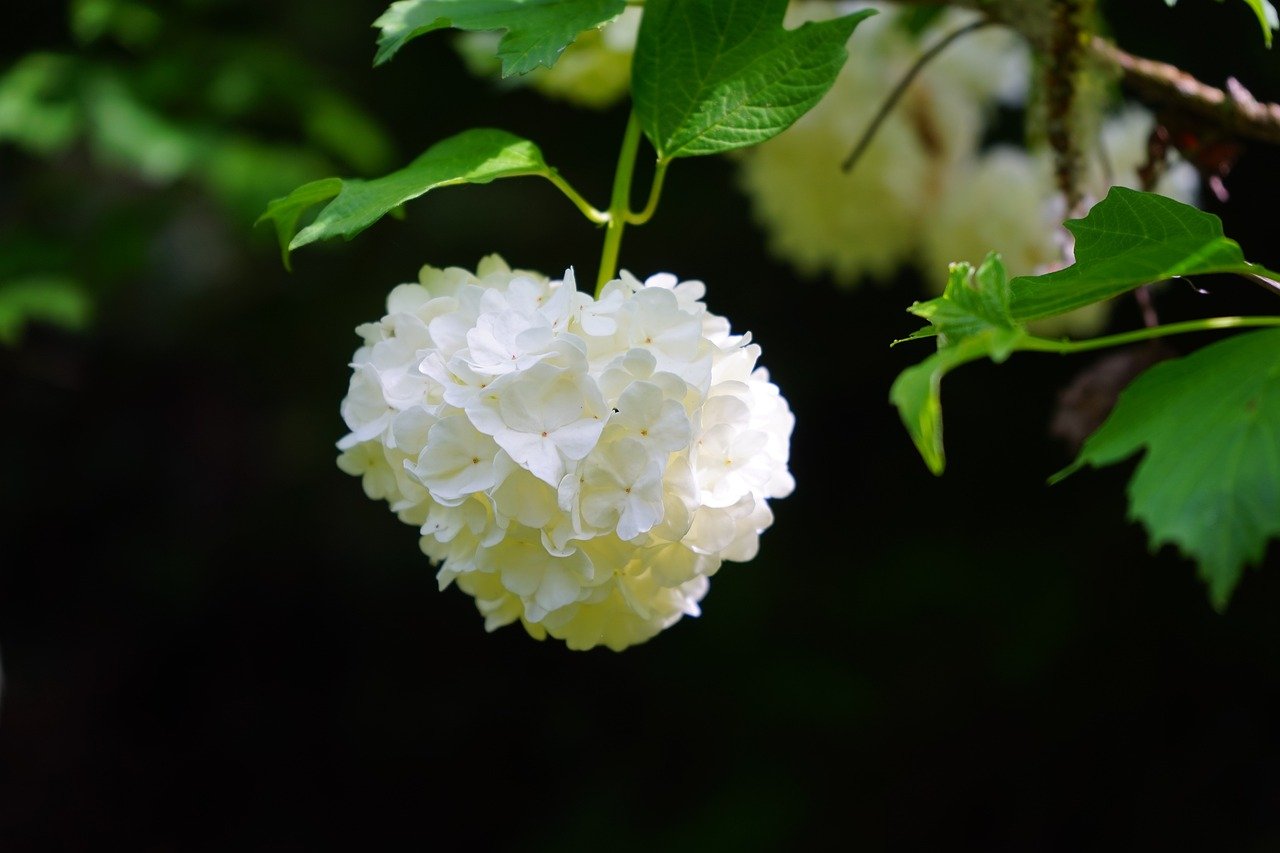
472	157
128	134
1210	479
131	24
971	320
285	212
35	108
57	300
715	75
163	96
1267	18
537	31
1129	239
1265	12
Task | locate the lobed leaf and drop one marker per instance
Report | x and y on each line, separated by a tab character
472	157
1210	480
537	31
714	75
1129	239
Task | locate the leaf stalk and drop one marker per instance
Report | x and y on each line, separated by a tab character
599	217
1208	324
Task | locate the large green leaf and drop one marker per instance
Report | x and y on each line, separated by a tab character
1129	239
45	298
713	75
537	30
1210	479
1265	12
971	320
472	157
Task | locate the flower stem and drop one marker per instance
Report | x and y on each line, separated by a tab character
599	217
1206	325
655	192
619	203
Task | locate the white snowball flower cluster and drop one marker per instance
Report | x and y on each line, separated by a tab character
594	71
582	465
867	222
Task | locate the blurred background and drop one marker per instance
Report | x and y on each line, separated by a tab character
212	640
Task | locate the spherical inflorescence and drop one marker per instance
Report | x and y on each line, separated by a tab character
582	465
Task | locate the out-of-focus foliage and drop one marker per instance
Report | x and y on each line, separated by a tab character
49	299
156	105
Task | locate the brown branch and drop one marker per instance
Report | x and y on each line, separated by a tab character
1234	110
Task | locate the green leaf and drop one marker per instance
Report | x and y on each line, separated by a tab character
1129	239
1210	480
285	212
917	394
972	320
472	157
50	299
972	302
537	31
714	75
1267	17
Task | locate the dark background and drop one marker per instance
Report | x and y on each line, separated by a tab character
212	640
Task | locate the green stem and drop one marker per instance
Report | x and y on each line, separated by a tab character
655	192
1206	325
599	217
619	203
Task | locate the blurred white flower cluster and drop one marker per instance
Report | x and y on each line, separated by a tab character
925	192
580	465
869	222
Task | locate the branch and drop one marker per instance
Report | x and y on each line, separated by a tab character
901	89
1234	110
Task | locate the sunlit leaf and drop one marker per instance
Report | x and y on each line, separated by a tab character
1129	239
537	31
715	75
472	157
285	212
